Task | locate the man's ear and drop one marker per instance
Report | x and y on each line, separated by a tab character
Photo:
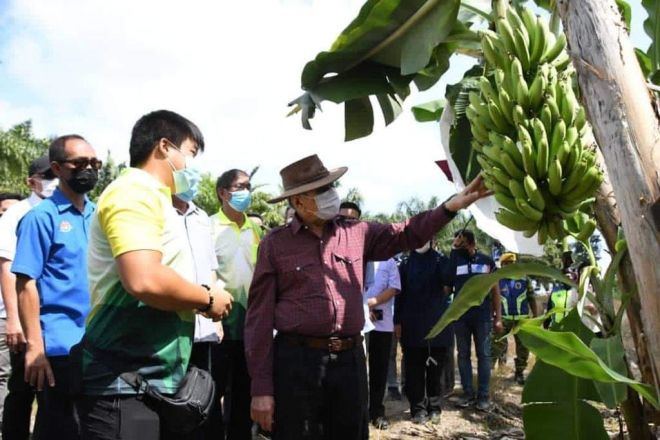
160	150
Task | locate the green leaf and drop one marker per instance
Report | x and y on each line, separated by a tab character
626	12
406	36
358	118
574	420
566	351
652	29
644	62
473	9
611	351
390	107
429	111
476	289
432	29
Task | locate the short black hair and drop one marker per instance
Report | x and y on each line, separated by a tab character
56	151
154	126
227	178
351	205
10	196
468	234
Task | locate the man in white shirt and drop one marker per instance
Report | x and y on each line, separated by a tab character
18	403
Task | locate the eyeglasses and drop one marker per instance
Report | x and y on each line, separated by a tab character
48	175
83	162
241	187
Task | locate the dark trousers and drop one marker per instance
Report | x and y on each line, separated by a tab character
18	403
319	395
423	377
234	380
201	357
119	418
448	379
379	345
55	414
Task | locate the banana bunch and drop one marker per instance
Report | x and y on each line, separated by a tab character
534	144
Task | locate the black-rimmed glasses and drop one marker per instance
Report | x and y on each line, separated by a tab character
84	162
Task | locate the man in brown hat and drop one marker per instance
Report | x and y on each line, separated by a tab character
310	381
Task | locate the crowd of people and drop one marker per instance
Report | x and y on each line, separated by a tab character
106	303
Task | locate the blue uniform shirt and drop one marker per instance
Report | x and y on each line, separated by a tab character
52	249
463	267
515	299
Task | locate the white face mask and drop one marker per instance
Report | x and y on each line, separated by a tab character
424	248
327	204
48	187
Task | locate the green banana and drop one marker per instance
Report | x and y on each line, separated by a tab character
519	117
506	34
569	104
506	106
506	202
517	190
476	145
522	49
516	23
542	236
510	148
533	194
500	176
558	135
563	153
493	56
510	166
555	50
529	162
551	102
492	153
541	40
528	211
515	221
572	135
487	89
478	132
554	177
497	117
546	118
573	179
536	90
562	61
483	162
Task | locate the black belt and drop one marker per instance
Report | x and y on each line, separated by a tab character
332	344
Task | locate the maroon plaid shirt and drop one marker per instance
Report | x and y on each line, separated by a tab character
313	286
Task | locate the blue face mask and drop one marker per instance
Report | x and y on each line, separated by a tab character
186	180
240	200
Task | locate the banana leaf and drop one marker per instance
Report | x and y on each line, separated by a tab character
652	29
478	287
611	351
552	394
429	111
400	41
567	351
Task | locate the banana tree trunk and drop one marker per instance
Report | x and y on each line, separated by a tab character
625	125
608	220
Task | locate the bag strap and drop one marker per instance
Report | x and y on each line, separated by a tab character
132	378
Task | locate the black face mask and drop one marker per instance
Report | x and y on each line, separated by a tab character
83	181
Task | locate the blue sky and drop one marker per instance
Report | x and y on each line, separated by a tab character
94	67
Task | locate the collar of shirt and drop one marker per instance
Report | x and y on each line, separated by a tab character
142	176
192	209
296	225
34	199
224	220
63	203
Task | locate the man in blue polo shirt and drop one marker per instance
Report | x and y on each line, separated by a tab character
466	262
51	271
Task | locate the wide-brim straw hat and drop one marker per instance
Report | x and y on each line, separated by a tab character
305	175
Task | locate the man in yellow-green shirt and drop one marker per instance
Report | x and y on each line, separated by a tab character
141	279
236	239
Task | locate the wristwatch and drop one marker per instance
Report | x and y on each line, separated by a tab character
207	307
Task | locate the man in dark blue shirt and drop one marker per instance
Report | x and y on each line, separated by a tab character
464	263
419	306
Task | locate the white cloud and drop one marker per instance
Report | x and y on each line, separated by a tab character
94	67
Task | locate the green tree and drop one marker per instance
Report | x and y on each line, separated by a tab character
18	147
107	174
206	197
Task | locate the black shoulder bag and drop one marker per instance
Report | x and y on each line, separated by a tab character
182	412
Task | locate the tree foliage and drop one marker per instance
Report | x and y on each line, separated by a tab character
18	147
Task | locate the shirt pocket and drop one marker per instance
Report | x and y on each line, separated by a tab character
295	273
347	270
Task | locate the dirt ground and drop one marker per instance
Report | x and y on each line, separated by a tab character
502	422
